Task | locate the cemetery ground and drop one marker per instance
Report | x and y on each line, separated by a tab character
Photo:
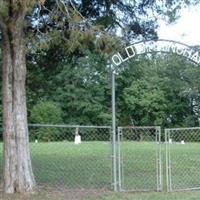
83	172
56	194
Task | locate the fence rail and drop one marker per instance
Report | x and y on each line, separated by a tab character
67	126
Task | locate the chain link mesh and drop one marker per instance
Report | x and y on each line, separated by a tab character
139	158
58	161
183	158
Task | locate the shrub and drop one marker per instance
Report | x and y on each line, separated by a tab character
46	113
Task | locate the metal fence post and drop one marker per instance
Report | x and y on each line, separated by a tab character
159	162
119	131
167	159
114	160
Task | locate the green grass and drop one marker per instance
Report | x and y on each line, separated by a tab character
62	163
185	162
74	166
194	195
89	165
62	195
138	165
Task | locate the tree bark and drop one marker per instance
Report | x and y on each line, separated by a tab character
18	174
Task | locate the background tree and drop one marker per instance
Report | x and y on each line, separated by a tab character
155	90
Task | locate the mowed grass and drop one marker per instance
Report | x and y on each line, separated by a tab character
89	165
186	195
185	165
139	162
65	164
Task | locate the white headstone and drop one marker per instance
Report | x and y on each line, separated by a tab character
36	141
77	139
182	142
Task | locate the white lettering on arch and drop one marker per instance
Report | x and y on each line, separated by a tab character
165	46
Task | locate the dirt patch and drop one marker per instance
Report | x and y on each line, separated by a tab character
49	193
79	194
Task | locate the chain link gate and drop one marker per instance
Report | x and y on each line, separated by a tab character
183	158
139	159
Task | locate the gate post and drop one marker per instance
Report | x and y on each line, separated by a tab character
114	152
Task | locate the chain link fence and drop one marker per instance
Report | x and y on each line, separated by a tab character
139	159
71	156
183	158
81	157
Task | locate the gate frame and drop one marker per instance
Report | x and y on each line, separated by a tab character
188	52
158	154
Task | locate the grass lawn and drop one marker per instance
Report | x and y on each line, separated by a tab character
62	163
138	165
88	166
185	165
195	195
88	195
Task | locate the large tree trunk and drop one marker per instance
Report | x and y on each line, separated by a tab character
18	175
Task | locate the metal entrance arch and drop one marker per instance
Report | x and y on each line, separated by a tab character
129	52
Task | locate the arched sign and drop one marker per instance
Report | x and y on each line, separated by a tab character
164	46
131	51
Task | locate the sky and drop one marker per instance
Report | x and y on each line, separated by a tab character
186	29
